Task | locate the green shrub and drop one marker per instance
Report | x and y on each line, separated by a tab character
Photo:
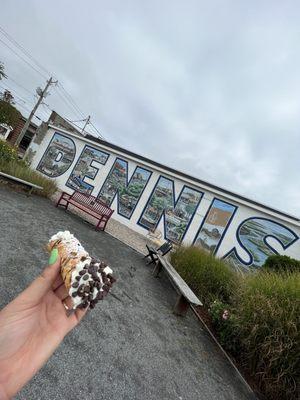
7	152
267	311
209	277
20	169
226	325
280	263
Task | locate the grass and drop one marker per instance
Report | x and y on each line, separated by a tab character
267	310
209	277
262	330
20	170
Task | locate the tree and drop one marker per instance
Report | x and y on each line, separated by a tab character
2	74
9	115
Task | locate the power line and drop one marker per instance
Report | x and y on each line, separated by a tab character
101	136
60	90
67	94
28	110
16	95
67	103
22	58
13	41
18	84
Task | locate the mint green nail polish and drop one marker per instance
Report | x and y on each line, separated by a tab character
53	256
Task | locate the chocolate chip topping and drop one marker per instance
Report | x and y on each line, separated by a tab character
77	278
85	277
75	284
81	288
87	289
82	272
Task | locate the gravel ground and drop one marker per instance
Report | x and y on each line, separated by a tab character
131	349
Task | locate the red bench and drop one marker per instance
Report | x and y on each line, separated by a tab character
89	204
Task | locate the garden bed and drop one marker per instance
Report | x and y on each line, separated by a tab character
254	317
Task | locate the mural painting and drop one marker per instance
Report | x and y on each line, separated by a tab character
255	237
128	193
85	168
177	216
252	235
58	156
214	225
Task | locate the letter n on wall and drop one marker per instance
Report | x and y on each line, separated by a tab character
128	193
177	214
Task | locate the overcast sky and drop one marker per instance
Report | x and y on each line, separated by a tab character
208	87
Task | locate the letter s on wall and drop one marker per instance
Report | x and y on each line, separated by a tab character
252	235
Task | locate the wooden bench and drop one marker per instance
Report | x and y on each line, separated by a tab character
27	184
185	295
89	204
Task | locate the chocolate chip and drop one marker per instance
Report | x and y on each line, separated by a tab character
112	279
97	285
75	284
92	305
100	296
92	270
95	276
85	304
91	284
87	289
105	288
82	272
83	258
90	298
85	277
77	278
81	288
74	294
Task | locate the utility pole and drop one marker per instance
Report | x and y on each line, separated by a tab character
86	123
42	94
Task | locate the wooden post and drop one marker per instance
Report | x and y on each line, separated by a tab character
181	306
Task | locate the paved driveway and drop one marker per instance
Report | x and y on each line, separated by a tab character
129	349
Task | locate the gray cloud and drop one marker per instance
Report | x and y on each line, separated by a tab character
209	88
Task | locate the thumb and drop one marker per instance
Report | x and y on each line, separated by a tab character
43	283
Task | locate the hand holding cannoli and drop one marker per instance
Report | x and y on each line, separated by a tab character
86	279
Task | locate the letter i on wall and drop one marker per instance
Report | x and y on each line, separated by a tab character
214	225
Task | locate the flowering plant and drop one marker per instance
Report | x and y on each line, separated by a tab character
7	152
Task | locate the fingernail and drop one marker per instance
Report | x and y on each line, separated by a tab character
53	256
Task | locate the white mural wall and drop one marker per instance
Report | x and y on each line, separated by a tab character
145	195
